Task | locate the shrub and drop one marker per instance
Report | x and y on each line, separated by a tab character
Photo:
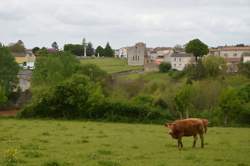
245	69
69	99
164	67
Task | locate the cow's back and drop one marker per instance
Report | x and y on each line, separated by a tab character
188	127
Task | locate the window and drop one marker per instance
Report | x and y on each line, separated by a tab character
225	55
235	54
179	64
179	59
174	59
138	58
133	58
174	65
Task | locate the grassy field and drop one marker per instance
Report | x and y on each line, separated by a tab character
111	65
53	143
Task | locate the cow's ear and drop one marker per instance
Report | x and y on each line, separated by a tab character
168	125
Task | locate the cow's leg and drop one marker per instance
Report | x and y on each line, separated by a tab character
195	139
180	145
202	140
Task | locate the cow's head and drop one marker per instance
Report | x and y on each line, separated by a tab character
170	126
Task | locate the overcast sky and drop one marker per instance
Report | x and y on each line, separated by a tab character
124	22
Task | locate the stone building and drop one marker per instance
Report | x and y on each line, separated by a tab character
137	55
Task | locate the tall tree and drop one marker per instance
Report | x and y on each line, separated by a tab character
8	70
108	51
55	45
197	48
17	47
90	49
76	49
35	49
99	51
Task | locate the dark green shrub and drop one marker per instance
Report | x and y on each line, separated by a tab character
164	67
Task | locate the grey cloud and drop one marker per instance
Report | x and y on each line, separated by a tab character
156	22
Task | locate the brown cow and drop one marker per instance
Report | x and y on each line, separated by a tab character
188	127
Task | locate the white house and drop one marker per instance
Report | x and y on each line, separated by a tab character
25	60
180	60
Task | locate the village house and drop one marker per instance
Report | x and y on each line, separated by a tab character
137	55
233	55
123	53
160	54
180	60
26	60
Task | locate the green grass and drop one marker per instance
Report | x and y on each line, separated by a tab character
111	65
66	143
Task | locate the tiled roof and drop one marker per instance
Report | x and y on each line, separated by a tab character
181	54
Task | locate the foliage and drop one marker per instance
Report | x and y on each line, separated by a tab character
99	51
245	68
10	157
52	69
35	49
164	67
90	50
55	45
76	49
69	99
92	71
8	70
214	65
3	97
196	72
108	51
197	48
230	104
183	101
17	47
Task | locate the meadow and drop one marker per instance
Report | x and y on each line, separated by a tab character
111	65
77	143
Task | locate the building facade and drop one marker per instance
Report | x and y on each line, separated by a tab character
25	60
180	60
137	55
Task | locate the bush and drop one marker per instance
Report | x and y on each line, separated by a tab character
245	69
69	99
164	67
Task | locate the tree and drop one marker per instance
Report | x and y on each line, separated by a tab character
178	48
99	51
3	97
245	68
75	49
230	104
52	69
197	48
214	65
108	51
8	71
55	45
183	101
90	49
35	49
17	47
164	67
